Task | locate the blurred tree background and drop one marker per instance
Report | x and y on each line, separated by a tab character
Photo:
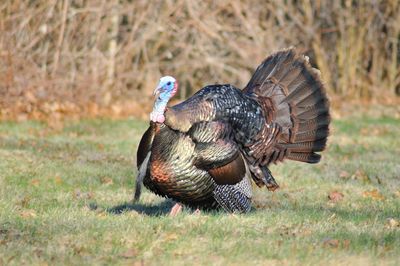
99	57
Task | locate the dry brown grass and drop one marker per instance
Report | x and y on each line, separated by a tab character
79	56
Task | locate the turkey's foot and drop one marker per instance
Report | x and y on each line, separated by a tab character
175	210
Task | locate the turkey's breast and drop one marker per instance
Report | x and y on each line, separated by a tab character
173	170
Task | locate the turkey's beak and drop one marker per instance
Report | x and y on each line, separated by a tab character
157	90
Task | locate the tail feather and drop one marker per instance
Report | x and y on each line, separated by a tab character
300	105
312	112
318	122
306	146
304	96
312	135
304	157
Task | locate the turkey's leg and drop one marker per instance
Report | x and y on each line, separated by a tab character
175	210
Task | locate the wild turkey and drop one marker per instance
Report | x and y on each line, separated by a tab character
205	151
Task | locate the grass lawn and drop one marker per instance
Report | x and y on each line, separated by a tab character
64	199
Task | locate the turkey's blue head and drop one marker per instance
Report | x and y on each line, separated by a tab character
166	89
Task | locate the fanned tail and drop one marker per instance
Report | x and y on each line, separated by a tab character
294	100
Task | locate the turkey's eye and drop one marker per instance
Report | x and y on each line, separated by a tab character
169	83
210	99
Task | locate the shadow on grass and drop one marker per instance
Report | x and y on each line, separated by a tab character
160	209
